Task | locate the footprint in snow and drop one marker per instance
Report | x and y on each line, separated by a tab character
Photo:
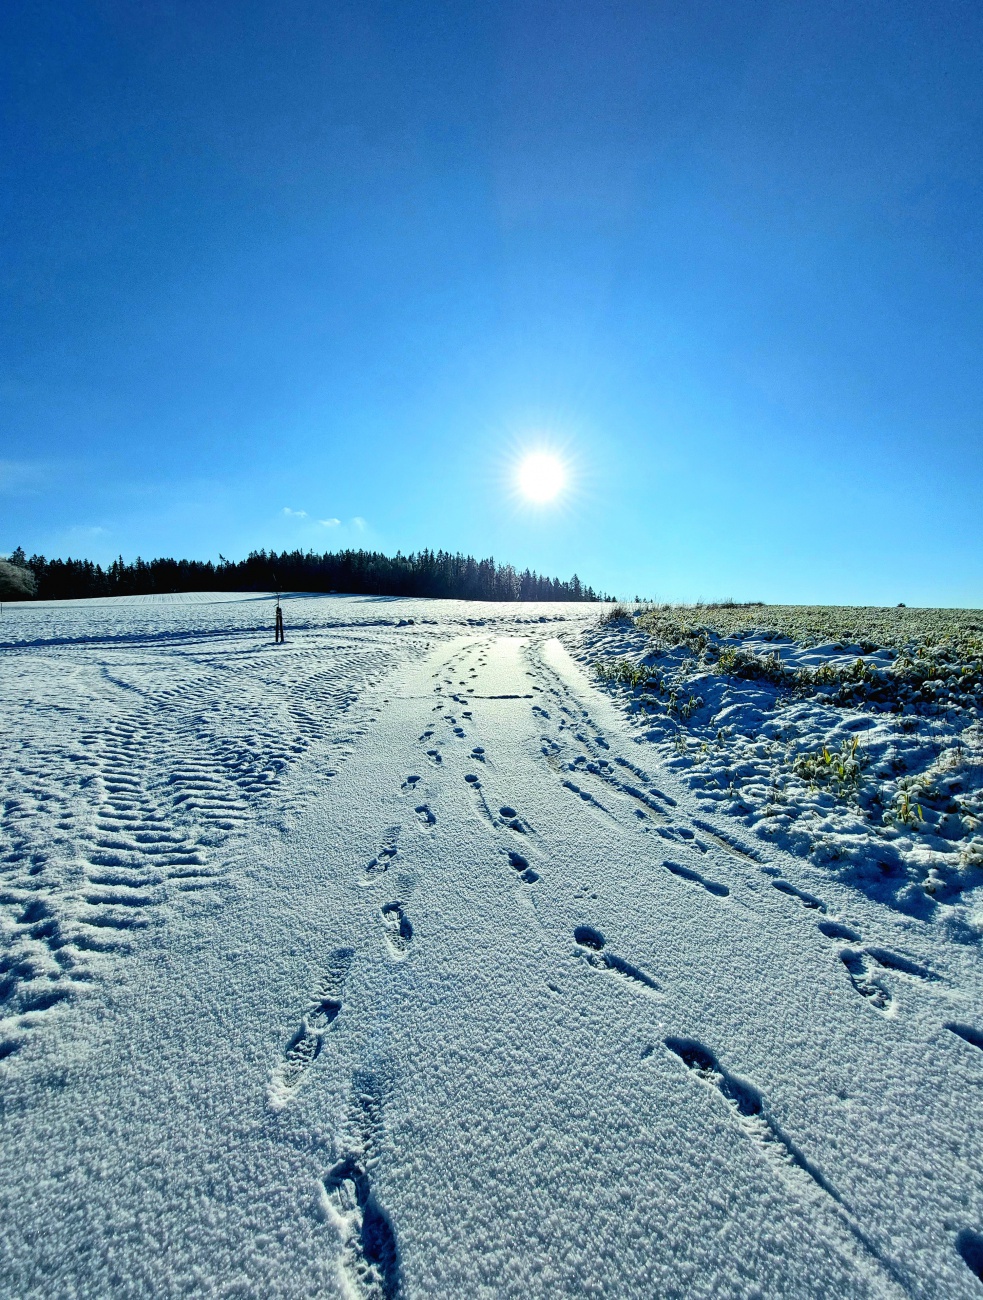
369	1249
520	864
591	943
970	1247
836	930
687	873
304	1047
863	966
807	900
425	816
398	928
967	1033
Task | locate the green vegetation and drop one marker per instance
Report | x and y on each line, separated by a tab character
866	627
905	810
743	701
624	673
841	770
937	654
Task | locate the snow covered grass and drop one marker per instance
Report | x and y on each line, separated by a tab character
852	736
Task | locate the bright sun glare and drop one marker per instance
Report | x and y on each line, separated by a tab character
541	476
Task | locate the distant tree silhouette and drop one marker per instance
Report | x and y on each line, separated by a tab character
427	573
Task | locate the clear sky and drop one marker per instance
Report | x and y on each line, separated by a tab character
319	274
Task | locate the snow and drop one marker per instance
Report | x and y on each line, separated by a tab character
909	834
403	960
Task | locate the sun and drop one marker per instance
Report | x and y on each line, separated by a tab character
541	476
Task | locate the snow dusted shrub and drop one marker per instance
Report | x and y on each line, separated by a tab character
617	614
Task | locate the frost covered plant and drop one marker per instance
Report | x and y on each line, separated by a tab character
971	854
741	663
839	769
617	614
683	705
906	810
624	673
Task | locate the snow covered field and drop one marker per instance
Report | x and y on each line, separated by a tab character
407	960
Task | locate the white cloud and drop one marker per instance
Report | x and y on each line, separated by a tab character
329	523
82	531
23	475
294	514
359	523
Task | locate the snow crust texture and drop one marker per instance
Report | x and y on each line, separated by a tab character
402	960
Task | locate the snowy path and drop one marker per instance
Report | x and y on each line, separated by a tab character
484	1007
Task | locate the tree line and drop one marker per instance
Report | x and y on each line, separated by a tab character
437	574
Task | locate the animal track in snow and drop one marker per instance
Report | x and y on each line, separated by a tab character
682	835
425	816
585	795
399	930
749	1106
602	769
727	841
475	785
410	783
305	1045
509	817
687	873
592	944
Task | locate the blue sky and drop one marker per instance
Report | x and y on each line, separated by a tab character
268	265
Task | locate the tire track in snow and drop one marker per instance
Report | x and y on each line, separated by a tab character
123	807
